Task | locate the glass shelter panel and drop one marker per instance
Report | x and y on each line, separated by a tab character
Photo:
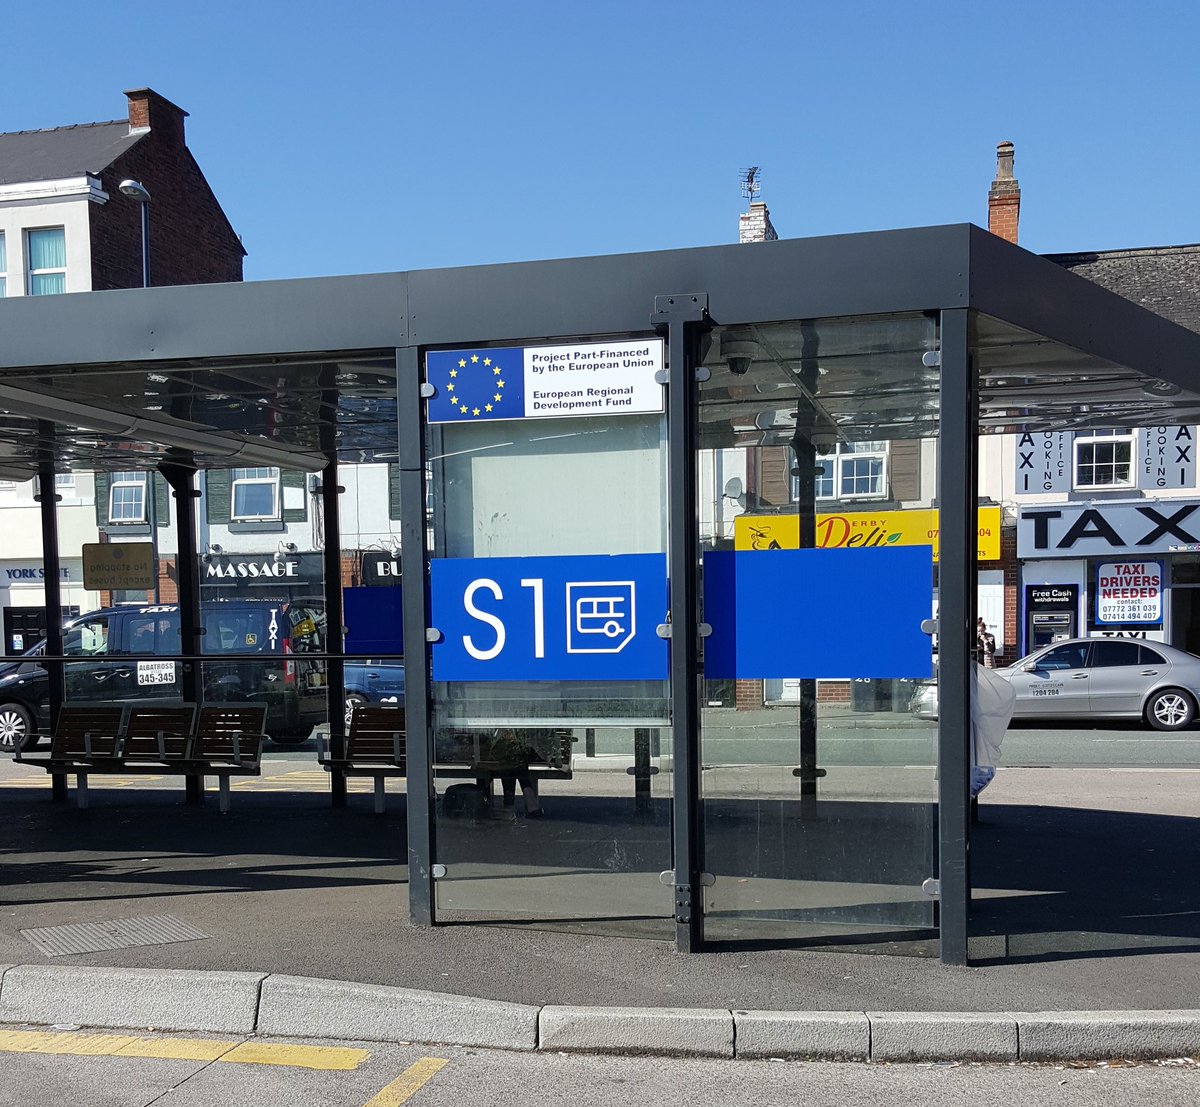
817	476
551	743
1080	834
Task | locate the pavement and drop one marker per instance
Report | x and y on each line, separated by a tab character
1085	936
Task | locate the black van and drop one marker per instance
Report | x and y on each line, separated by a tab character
116	650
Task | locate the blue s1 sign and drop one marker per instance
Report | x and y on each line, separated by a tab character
549	618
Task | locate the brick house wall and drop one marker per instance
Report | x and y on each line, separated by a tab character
191	239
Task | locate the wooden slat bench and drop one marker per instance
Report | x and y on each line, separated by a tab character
110	740
221	740
375	747
228	741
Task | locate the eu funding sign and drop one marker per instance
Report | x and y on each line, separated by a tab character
545	382
549	618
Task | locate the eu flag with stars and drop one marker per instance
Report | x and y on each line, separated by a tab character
476	384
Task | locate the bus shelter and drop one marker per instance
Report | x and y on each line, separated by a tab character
606	477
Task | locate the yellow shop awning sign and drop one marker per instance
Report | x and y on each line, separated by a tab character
859	529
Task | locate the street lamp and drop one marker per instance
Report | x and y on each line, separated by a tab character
135	190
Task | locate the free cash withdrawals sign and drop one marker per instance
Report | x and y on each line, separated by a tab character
545	382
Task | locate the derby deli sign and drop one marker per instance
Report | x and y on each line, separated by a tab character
866	528
1129	592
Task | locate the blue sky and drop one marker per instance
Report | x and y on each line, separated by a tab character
370	136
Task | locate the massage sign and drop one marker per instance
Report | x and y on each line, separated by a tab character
1129	592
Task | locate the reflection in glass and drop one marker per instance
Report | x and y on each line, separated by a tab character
818	794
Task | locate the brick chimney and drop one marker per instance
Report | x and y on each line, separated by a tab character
148	111
755	224
1004	199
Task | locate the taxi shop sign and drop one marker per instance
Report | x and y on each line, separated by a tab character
861	529
1129	592
114	565
545	382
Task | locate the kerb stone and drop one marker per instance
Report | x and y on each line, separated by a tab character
165	999
1094	1035
298	1007
821	1035
673	1031
942	1036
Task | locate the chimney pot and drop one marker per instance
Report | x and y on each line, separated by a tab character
1004	198
150	111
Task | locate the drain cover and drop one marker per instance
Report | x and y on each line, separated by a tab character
151	930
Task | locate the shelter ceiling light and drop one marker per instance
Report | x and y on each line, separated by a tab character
221	444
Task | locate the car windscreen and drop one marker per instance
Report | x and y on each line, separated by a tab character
265	629
243	630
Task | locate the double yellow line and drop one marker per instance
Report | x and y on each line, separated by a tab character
321	1058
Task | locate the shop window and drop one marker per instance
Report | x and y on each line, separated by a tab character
255	495
1104	459
46	250
850	471
127	498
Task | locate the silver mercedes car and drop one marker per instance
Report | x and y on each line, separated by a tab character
1097	678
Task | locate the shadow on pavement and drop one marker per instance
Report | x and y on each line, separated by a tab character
1054	883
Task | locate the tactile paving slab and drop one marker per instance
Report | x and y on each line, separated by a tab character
150	930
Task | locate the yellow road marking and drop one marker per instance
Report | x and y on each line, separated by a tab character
324	1058
175	1049
409	1082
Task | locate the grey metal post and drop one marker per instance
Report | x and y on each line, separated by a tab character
335	610
421	823
181	477
681	316
335	618
956	590
47	497
145	206
806	507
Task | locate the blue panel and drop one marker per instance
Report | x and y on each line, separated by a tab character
818	613
549	618
374	619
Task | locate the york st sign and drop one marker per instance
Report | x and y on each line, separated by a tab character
1091	530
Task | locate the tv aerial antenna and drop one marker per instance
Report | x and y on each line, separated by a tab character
751	182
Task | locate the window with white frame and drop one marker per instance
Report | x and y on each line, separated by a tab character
127	498
1104	458
46	251
850	471
255	495
3	267
65	481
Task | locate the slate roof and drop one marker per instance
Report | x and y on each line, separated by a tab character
1165	279
63	151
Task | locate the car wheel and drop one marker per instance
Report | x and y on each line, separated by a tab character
16	728
1170	709
352	699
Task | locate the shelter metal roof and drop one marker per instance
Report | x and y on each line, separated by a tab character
309	365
